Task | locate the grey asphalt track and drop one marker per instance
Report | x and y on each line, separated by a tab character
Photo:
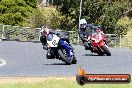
28	59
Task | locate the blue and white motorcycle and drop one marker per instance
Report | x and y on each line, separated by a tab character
59	48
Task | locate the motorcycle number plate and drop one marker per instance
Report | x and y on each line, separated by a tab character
54	42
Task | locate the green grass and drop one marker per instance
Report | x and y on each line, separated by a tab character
61	83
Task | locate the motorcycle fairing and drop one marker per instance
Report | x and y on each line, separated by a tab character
54	42
66	46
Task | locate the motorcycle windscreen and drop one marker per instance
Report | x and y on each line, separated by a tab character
94	33
50	37
97	35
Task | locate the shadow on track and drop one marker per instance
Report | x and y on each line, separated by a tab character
56	64
92	55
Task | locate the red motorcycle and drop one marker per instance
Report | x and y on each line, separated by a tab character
98	43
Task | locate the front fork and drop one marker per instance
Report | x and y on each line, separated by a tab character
67	48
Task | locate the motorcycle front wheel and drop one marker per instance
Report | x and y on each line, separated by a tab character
106	50
63	57
74	61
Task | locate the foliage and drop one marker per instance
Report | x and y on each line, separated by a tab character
15	12
44	16
103	12
123	25
106	13
35	19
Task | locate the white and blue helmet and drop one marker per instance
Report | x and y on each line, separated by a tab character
83	23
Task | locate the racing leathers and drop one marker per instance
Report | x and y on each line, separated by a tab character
86	32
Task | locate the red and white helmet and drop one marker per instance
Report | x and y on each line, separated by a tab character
44	30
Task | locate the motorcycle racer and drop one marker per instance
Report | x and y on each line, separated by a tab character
85	31
46	34
43	38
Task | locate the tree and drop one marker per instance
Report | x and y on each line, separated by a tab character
103	12
15	12
45	16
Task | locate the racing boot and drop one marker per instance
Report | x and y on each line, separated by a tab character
45	47
86	45
86	48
